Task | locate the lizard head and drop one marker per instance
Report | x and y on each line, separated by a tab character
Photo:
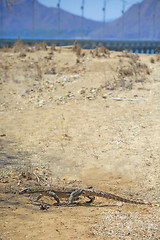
25	190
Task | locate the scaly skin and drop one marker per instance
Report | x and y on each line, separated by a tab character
74	193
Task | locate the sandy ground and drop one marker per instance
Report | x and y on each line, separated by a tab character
93	120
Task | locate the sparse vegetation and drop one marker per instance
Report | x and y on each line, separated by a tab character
152	60
158	57
72	128
131	71
39	73
100	52
40	46
76	48
5	49
53	47
18	46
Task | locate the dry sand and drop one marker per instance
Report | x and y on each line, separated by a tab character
93	120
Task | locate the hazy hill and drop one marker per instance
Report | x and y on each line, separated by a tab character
46	21
140	21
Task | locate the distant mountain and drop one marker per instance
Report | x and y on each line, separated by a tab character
140	21
46	21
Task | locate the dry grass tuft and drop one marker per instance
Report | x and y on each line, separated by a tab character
39	72
158	57
40	46
76	48
100	52
133	56
53	47
142	68
18	46
5	49
152	60
131	72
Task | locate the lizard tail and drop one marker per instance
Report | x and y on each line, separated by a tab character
91	192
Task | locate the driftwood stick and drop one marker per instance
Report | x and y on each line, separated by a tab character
127	99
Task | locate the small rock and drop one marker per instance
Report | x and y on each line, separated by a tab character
50	71
82	91
93	90
22	54
65	78
105	96
23	91
75	76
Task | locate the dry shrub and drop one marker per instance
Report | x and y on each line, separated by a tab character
100	52
22	54
53	47
78	60
5	49
28	48
39	72
76	48
158	57
131	72
133	56
124	77
104	51
126	83
40	46
29	176
126	71
18	46
152	60
142	68
37	46
59	50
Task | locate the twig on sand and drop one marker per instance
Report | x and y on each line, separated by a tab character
127	99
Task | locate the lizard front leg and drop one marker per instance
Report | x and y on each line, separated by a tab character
39	197
50	194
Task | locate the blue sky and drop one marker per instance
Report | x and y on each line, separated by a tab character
93	8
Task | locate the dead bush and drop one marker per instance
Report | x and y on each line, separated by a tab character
126	71
5	49
131	72
142	68
104	51
40	46
152	60
76	48
28	48
158	57
39	72
100	52
53	47
18	46
133	56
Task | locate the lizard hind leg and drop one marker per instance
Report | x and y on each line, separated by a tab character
73	195
77	193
